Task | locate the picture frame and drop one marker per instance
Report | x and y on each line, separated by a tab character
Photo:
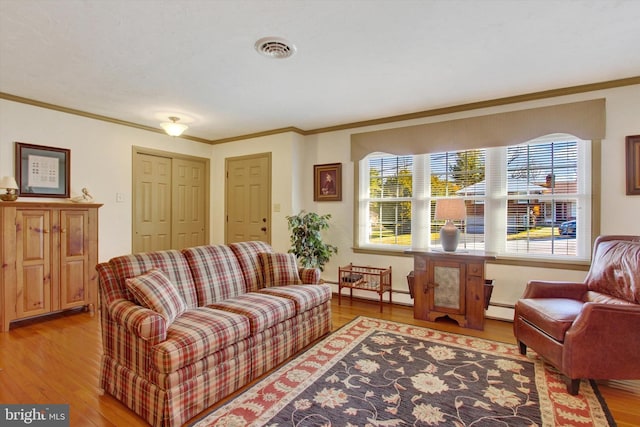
42	171
327	182
633	165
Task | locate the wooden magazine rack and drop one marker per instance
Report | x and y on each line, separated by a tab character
365	279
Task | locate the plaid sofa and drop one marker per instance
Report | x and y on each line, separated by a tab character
227	324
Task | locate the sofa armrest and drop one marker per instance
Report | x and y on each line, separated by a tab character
601	344
108	286
143	322
546	289
309	275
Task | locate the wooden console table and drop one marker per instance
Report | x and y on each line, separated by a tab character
450	284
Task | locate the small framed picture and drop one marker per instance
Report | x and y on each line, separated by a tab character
42	171
633	165
327	182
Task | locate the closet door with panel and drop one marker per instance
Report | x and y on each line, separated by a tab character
170	201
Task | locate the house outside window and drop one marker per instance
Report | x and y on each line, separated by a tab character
529	200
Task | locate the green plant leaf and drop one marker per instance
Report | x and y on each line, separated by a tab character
306	239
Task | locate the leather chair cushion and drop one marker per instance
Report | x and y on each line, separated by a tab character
614	270
599	298
553	316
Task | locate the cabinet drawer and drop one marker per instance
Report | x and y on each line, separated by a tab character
474	270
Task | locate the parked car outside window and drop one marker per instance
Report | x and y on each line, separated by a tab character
568	228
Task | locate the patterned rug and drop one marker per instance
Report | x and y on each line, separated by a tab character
380	373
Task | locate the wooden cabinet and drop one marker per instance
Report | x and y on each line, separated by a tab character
49	252
450	284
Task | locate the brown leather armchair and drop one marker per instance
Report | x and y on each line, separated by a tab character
590	329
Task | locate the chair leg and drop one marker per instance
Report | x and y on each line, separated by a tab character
523	348
573	386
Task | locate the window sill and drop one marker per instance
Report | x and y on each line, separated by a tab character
582	265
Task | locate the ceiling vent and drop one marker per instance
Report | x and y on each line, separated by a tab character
275	47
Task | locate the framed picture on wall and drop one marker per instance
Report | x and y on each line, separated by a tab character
42	171
327	182
633	165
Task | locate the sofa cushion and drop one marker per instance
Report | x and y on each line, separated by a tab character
279	269
305	297
614	270
154	291
172	263
554	316
263	310
216	273
309	275
247	254
196	334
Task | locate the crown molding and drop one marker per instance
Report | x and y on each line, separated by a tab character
259	134
86	114
552	93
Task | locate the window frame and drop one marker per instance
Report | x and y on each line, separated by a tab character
546	261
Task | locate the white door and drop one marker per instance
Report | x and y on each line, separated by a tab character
170	201
188	222
151	203
248	198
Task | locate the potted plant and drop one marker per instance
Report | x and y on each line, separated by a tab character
306	241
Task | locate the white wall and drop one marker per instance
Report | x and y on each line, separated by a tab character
284	149
101	156
101	161
619	213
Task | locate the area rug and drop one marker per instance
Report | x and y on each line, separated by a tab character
379	373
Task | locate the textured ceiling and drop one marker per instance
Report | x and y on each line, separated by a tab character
139	60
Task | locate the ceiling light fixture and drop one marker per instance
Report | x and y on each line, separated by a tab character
173	128
275	47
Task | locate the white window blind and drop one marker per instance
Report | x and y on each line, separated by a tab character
389	201
460	174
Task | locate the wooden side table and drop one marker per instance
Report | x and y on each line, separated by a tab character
450	284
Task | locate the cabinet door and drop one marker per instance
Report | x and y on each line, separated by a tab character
74	258
33	262
447	285
475	296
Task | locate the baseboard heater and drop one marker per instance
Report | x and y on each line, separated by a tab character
491	304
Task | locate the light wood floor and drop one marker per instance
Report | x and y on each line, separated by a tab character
57	361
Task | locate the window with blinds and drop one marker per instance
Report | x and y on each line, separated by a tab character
389	202
460	174
530	200
542	195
